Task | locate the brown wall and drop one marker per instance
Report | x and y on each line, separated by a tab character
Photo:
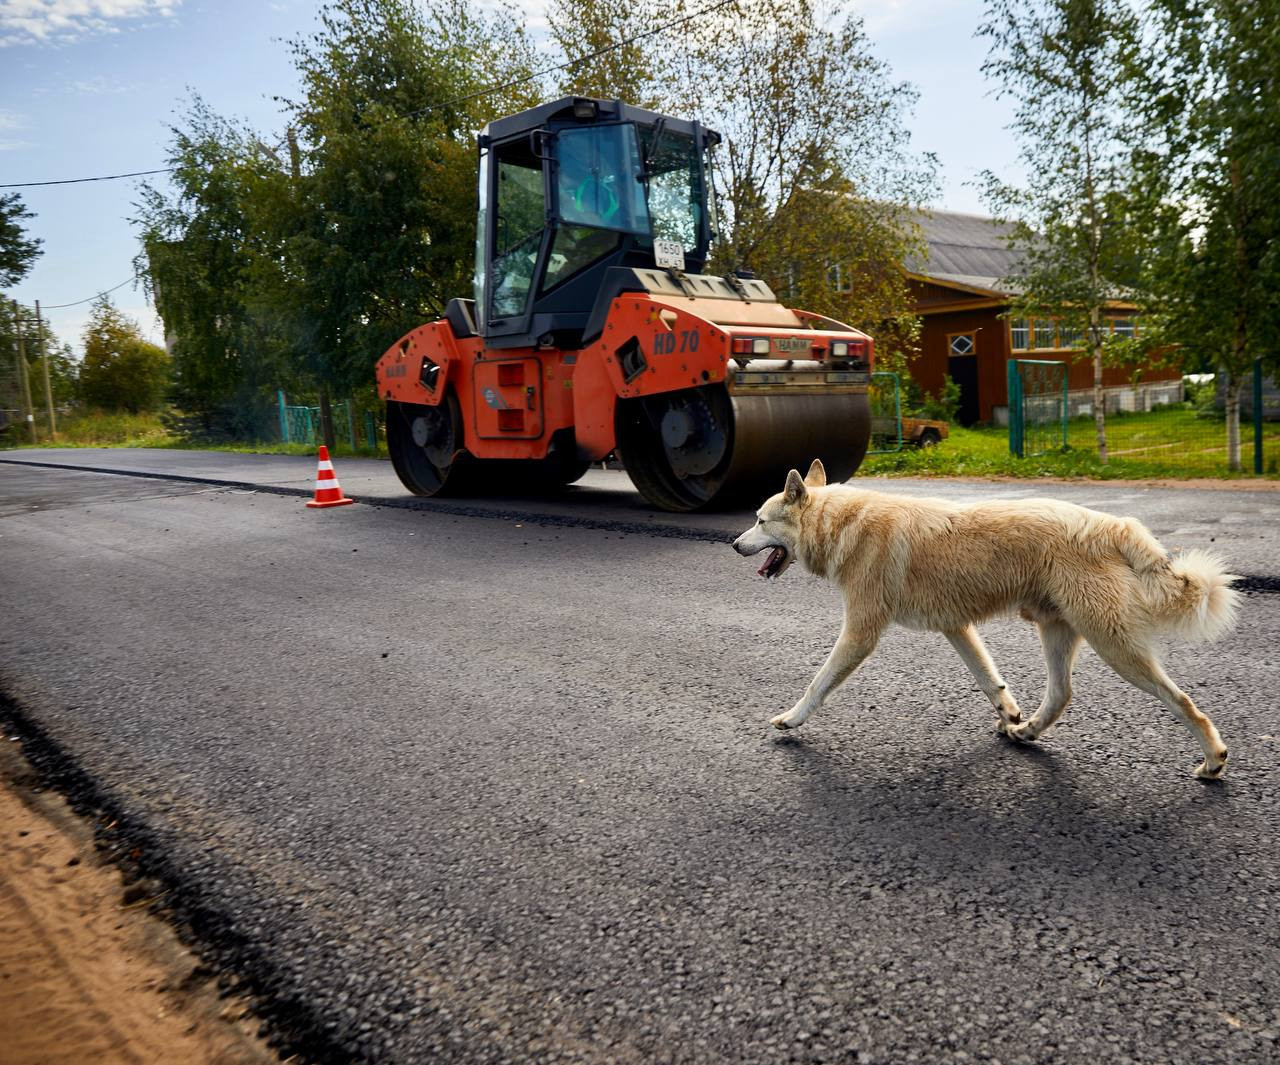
991	347
991	344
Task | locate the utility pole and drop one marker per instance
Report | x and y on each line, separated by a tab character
44	359
22	374
326	408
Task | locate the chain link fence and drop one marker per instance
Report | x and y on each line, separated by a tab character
301	424
1039	406
1179	425
885	397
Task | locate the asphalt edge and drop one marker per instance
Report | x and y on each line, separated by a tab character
288	1026
438	506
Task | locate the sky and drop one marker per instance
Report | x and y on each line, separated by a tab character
91	87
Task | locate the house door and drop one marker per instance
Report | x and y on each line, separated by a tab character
962	368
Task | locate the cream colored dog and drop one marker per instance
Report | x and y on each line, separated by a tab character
928	564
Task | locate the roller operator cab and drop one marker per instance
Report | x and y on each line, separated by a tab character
593	330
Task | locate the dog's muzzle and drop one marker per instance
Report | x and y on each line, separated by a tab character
746	546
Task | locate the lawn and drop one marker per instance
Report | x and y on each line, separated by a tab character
1166	443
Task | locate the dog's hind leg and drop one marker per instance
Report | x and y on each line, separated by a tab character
970	648
1139	666
1060	642
848	654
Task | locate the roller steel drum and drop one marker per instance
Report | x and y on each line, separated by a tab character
710	447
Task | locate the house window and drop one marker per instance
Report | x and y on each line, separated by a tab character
1122	327
841	279
1020	332
1069	336
1045	333
961	344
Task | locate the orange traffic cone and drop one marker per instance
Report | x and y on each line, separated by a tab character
328	494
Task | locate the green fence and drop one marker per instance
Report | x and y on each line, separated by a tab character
300	423
885	396
1176	427
1038	406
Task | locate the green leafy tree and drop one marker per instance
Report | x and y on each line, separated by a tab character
18	252
380	232
598	38
121	369
64	373
1210	168
213	271
1071	66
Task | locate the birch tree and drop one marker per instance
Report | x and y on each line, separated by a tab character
1069	65
1211	171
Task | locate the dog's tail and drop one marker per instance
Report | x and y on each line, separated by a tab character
1205	606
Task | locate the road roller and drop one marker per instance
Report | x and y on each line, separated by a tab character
593	331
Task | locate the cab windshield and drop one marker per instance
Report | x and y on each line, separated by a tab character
675	187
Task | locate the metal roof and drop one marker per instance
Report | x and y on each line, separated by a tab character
966	249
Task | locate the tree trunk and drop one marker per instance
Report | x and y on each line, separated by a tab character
326	417
1099	396
1234	385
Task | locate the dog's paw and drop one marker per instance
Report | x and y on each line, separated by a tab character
1023	732
1004	724
1205	771
780	722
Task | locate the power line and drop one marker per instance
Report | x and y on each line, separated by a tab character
90	299
435	107
77	181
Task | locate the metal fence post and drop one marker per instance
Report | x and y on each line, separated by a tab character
1066	403
1015	409
284	416
1257	415
351	425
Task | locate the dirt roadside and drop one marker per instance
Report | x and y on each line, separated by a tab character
87	976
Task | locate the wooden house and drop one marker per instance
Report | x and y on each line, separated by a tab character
961	294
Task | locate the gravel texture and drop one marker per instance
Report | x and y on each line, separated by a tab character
494	783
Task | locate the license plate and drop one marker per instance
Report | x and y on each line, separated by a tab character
668	255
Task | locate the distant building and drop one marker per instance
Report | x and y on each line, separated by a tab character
967	335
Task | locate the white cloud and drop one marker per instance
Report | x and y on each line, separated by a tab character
99	86
8	122
60	21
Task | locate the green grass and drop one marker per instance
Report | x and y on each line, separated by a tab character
101	429
1171	443
94	429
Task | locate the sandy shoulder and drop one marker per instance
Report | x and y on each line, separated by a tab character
85	978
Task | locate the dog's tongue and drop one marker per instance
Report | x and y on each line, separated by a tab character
774	556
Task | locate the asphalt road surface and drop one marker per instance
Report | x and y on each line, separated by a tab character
492	781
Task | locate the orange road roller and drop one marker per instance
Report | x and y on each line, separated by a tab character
593	331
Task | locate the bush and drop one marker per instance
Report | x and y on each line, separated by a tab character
916	402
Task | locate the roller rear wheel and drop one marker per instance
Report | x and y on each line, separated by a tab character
426	447
425	444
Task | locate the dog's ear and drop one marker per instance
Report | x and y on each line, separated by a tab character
795	490
817	475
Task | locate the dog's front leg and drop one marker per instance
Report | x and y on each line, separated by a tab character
969	646
848	653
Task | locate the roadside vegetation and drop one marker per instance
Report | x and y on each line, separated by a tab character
1143	447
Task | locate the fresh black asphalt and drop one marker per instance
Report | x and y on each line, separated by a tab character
494	782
